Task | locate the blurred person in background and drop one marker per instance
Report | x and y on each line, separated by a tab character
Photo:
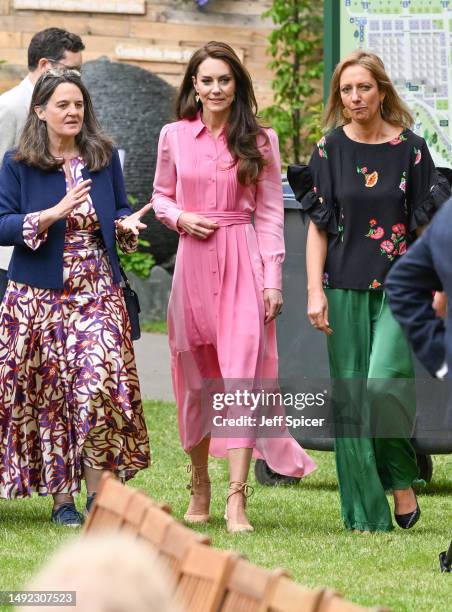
88	569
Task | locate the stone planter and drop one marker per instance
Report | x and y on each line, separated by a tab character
153	293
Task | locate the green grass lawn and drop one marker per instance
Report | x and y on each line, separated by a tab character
154	327
297	528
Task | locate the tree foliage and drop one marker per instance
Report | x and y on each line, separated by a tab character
296	48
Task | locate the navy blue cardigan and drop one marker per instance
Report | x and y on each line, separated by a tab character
24	189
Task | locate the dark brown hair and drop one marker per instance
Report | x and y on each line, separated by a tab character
243	128
52	44
393	108
95	147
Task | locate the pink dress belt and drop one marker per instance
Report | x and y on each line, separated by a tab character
226	217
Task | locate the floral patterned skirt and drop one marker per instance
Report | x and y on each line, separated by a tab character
69	390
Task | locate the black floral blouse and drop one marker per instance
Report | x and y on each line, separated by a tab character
369	198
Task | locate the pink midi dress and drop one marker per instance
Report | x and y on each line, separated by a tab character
216	309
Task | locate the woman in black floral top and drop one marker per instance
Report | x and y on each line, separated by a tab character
371	185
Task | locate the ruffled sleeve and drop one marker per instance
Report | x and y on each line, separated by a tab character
427	188
32	238
312	186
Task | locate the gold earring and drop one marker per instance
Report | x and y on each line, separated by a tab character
197	97
346	113
381	108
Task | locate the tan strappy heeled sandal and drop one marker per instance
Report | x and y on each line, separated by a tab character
199	487
246	491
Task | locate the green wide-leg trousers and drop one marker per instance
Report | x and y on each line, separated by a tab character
369	345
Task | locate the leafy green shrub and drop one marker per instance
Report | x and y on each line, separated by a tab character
140	262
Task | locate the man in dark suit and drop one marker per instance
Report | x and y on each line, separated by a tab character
425	268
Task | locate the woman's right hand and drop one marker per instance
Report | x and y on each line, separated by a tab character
75	196
196	225
318	311
440	304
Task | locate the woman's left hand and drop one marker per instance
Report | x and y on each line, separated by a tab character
132	223
273	302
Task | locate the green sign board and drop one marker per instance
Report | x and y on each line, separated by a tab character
413	38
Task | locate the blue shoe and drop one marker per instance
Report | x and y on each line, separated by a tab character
67	515
89	502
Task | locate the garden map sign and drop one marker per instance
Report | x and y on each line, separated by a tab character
413	38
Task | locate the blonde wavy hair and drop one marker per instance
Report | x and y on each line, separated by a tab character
393	109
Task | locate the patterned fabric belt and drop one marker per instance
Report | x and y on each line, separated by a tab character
83	239
81	233
226	217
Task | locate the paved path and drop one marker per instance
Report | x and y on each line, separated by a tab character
153	362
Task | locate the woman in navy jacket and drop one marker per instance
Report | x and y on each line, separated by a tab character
70	402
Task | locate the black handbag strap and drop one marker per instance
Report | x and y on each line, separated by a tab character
124	277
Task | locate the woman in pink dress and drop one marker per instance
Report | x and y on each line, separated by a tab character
216	167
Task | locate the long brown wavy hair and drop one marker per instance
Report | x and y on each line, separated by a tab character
94	146
243	127
393	108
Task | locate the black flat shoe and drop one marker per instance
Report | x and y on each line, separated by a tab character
406	521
